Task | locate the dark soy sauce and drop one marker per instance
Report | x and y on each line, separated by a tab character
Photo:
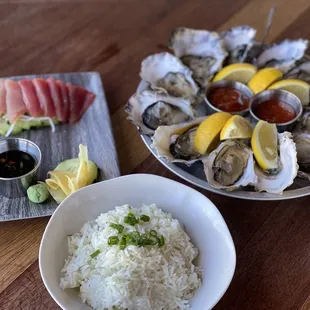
15	164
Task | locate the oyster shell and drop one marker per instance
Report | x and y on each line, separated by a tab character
301	72
303	124
150	108
277	181
230	166
203	51
283	55
302	142
166	71
254	51
176	142
238	41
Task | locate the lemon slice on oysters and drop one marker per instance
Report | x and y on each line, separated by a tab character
236	127
263	79
265	145
240	72
208	132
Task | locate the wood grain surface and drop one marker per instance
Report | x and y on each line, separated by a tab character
272	238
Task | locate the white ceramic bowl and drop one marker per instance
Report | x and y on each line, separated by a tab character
203	223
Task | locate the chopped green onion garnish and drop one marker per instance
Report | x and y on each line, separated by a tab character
135	234
161	241
151	240
143	240
122	243
97	252
153	233
118	227
131	239
144	218
113	240
130	219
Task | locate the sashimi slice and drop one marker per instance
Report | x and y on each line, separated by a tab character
2	97
15	105
89	99
30	98
44	96
57	99
65	101
80	100
76	95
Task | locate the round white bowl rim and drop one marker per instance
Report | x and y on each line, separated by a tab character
133	176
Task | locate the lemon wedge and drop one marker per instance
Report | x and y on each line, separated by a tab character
298	87
242	72
265	145
236	127
208	132
263	79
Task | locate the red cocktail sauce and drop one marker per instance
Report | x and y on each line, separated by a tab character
229	99
275	111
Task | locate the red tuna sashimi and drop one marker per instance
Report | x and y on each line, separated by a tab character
2	97
44	96
65	101
57	99
80	100
15	105
30	98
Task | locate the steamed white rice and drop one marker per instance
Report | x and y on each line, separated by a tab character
148	277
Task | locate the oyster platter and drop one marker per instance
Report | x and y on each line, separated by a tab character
228	113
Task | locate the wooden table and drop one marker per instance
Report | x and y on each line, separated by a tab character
272	238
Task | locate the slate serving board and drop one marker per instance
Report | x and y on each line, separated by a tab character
93	130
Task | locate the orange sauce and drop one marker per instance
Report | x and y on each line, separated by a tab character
229	99
275	111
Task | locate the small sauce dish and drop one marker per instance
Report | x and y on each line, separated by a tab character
19	162
228	96
278	107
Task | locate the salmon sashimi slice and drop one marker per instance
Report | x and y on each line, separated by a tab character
55	91
89	99
80	100
15	105
44	95
65	100
30	98
2	97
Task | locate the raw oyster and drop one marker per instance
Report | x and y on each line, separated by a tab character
166	71
176	143
230	166
301	71
303	124
255	50
276	182
238	41
302	142
149	109
283	55
203	51
301	137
